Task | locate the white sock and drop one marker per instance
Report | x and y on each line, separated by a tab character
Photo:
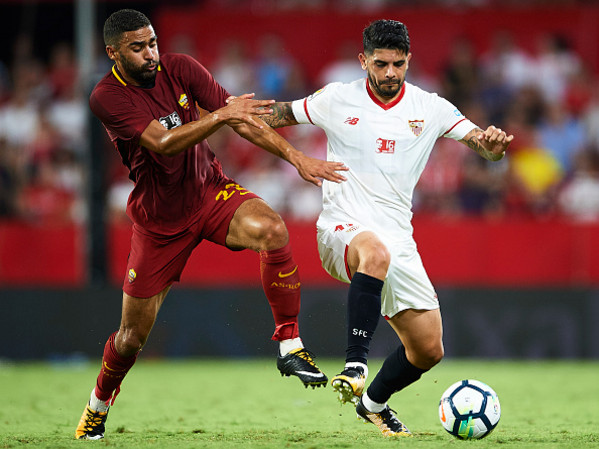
372	406
96	404
285	346
358	365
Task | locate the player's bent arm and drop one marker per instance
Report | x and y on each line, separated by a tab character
171	142
490	144
309	168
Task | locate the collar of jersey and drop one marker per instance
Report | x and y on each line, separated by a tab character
378	102
118	76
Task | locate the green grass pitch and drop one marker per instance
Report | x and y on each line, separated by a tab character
244	403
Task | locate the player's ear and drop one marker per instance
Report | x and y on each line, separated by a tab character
362	58
111	52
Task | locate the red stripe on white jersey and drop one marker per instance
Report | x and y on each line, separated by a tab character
346	264
454	126
306	110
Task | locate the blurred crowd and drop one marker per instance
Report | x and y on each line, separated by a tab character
549	100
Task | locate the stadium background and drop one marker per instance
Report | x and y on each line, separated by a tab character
513	248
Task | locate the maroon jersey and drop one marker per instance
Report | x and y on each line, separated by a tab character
168	191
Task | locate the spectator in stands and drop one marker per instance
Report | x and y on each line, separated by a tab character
554	64
233	68
562	134
460	78
278	74
343	68
579	199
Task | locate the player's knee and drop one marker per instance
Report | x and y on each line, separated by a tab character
432	356
130	342
429	356
376	261
273	233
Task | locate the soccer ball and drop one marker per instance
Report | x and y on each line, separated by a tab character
469	409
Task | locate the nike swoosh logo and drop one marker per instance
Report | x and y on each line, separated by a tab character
281	275
306	373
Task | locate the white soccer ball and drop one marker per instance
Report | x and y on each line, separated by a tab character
469	409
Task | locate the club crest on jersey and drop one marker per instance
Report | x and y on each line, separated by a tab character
183	102
416	126
385	146
131	275
171	121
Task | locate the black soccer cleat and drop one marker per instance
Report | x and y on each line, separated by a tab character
300	363
386	421
92	424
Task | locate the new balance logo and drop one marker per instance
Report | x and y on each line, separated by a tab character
351	120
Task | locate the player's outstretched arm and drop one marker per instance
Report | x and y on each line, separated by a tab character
173	141
490	144
309	168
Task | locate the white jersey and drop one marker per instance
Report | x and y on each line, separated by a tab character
385	147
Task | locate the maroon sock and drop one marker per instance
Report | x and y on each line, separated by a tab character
281	283
114	369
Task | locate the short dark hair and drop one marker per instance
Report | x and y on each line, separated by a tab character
122	21
388	34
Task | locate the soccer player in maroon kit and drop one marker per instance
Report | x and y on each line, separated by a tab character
149	107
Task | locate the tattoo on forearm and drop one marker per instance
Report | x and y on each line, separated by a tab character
282	115
475	144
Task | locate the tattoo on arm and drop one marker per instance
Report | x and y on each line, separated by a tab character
282	115
475	144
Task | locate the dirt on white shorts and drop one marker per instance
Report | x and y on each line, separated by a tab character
407	285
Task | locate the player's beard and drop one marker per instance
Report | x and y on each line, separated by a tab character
140	74
385	92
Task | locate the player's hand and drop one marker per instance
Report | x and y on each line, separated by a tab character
244	109
495	140
313	170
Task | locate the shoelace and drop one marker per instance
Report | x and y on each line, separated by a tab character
306	355
92	420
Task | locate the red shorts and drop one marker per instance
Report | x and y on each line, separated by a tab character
157	260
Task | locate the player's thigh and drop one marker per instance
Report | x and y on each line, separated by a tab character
255	225
334	238
367	254
156	261
421	332
407	285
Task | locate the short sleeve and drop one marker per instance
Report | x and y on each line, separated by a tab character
454	124
119	114
208	94
315	108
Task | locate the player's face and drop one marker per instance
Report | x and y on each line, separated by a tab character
386	70
137	56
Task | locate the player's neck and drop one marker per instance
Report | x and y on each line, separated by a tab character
384	101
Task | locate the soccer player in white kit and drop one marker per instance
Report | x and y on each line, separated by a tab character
383	129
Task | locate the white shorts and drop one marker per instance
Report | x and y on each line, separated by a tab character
407	285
